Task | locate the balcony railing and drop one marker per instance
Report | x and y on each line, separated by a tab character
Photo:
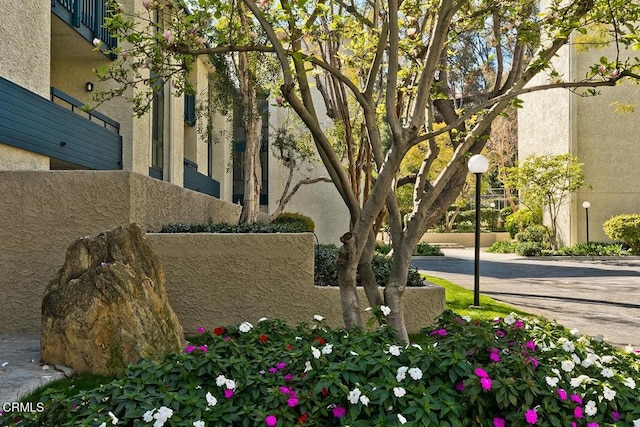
35	124
194	180
87	17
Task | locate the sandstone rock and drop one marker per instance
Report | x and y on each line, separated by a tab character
107	307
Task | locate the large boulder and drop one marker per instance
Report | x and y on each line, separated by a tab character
107	307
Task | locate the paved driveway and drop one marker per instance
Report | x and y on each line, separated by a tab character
597	297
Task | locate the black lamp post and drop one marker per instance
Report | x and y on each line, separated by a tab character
478	164
586	205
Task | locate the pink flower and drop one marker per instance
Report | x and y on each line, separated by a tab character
273	370
498	422
339	412
494	355
485	383
577	412
288	377
292	401
592	424
279	100
531	416
281	365
530	345
271	420
534	362
228	393
285	390
615	415
481	373
519	324
562	394
576	398
574	424
203	348
500	334
96	43
189	349
146	4
459	386
201	330
168	36
441	332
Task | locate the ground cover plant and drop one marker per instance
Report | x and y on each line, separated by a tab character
460	372
579	249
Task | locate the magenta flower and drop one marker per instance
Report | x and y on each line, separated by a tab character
530	345
441	332
285	390
519	324
459	386
562	394
481	373
498	422
271	420
201	330
494	355
592	424
281	365
500	334
531	416
292	401
273	370
615	415
189	349
577	412
339	412
574	424
228	393
485	383
576	398
288	377
203	348
534	362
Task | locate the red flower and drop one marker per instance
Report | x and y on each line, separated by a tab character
324	391
320	340
289	347
218	330
303	418
264	338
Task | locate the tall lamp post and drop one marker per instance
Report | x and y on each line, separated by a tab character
478	164
586	205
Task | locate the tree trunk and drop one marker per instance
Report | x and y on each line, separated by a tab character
394	291
251	163
367	276
347	267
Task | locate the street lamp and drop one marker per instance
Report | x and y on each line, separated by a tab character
478	164
586	205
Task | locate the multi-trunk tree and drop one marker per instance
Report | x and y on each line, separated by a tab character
399	65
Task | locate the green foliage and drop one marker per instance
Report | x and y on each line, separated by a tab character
461	372
295	220
503	247
594	249
258	227
488	218
529	249
425	249
534	233
625	228
383	249
521	219
326	270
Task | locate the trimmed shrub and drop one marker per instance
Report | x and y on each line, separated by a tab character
503	247
296	219
534	233
326	272
529	249
594	249
257	227
521	219
425	249
625	228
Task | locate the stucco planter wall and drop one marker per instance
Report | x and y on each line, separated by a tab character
465	239
218	279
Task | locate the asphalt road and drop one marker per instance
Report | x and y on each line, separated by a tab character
597	297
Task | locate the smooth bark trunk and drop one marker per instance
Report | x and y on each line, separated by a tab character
347	268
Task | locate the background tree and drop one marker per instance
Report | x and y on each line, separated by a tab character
546	183
401	87
502	150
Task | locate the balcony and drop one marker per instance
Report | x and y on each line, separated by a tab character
196	181
86	17
59	129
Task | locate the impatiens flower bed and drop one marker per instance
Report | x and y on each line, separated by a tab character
460	372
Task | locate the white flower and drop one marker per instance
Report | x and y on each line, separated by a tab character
114	419
567	365
574	332
556	371
607	359
607	373
318	318
552	381
636	423
401	373
415	373
315	352
385	310
198	424
354	395
575	358
568	346
578	381
327	349
629	349
103	425
220	380
589	360
262	319
162	416
148	416
96	42
629	382
590	409
230	384
399	391
609	394
510	319
211	400
353	353
307	366
418	346
368	309
598	338
402	419
245	327
466	318
364	400
394	350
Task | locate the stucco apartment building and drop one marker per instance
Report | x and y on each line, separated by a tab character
590	128
46	63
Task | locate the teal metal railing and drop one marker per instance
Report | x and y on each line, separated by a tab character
86	17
